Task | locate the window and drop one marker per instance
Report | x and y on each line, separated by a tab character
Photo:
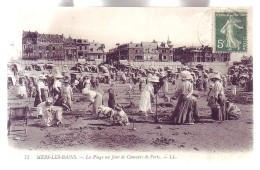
138	57
164	57
98	56
80	48
85	47
53	48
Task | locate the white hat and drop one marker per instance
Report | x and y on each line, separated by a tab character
215	76
49	100
87	81
163	73
185	75
41	77
149	75
154	79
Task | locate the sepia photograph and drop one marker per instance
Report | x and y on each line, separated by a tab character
157	79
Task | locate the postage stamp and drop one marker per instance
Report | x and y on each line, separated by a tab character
230	31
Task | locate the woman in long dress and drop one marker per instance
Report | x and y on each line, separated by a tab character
57	86
186	110
95	98
21	89
228	29
145	105
165	85
217	99
67	93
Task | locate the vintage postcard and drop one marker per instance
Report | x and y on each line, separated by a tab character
131	84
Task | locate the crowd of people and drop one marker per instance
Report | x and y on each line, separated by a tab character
53	94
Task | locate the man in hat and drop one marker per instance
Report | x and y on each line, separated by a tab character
234	82
164	80
57	86
205	80
41	91
250	83
67	93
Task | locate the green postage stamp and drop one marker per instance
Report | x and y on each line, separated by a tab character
230	31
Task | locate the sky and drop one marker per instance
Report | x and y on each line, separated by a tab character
183	26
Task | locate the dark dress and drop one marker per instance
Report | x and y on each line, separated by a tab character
186	110
111	100
37	100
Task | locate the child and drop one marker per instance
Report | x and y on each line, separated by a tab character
111	98
67	93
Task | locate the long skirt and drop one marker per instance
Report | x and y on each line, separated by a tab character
186	110
218	109
97	103
219	112
111	104
165	87
145	102
205	86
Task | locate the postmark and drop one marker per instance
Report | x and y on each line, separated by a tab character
230	31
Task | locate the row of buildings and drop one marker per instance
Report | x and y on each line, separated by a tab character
57	47
164	52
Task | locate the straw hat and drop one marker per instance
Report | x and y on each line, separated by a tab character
149	75
185	75
215	76
49	100
163	74
153	79
195	69
87	81
41	77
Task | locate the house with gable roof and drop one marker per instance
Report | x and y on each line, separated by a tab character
56	47
70	49
165	51
43	44
150	50
29	45
96	51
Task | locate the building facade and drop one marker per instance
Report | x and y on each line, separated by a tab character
57	47
70	49
164	52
